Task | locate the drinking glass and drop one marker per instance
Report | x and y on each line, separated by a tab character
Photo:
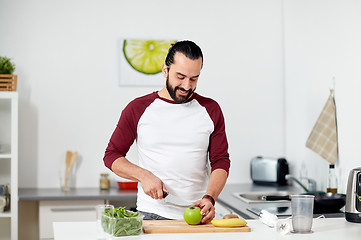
302	213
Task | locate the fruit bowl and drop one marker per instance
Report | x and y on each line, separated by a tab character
128	185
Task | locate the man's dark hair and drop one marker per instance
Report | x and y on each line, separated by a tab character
188	48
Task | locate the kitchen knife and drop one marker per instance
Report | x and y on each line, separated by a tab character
170	198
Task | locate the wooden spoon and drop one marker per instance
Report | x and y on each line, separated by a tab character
67	168
74	156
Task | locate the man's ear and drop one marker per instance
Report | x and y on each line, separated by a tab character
165	70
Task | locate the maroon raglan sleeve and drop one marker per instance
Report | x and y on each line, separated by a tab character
218	144
126	130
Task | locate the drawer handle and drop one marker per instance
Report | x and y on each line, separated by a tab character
68	209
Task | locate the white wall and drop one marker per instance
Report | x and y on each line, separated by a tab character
67	53
268	63
323	41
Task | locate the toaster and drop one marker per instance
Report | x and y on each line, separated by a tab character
269	171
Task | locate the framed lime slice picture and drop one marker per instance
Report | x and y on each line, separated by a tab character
143	61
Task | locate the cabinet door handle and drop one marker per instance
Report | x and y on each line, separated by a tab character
69	209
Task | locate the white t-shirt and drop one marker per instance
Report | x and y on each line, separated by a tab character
174	142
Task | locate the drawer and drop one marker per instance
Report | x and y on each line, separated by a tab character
64	211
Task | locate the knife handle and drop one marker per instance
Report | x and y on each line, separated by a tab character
165	194
275	198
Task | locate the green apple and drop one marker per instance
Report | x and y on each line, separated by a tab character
192	215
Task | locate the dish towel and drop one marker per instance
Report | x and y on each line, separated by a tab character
323	137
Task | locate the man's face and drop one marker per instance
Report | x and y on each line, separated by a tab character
182	77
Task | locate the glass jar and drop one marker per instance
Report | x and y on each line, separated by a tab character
104	181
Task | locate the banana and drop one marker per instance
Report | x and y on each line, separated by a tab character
230	222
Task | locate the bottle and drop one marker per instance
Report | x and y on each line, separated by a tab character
104	181
332	179
303	174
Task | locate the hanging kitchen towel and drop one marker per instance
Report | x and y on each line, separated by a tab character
323	137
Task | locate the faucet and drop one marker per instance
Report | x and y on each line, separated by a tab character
311	183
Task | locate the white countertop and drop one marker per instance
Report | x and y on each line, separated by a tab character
327	228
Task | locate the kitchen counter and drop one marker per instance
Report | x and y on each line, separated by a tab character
40	194
228	200
327	228
333	227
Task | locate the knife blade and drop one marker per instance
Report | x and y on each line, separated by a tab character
170	198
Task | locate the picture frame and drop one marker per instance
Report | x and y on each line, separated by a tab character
141	60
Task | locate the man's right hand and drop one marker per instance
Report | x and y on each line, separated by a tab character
153	186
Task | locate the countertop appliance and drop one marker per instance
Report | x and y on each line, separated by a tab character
269	171
353	199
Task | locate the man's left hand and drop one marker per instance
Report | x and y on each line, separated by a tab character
207	209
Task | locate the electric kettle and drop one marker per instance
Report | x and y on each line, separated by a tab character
353	196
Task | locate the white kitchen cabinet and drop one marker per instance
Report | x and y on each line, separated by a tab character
9	161
64	211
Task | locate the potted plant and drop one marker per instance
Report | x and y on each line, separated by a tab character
8	81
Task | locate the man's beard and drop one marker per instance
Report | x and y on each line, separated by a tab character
172	92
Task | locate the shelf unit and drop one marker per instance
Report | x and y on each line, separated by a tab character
9	161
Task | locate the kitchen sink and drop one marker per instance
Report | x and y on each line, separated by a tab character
257	197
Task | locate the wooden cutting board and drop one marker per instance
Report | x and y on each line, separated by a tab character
180	226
